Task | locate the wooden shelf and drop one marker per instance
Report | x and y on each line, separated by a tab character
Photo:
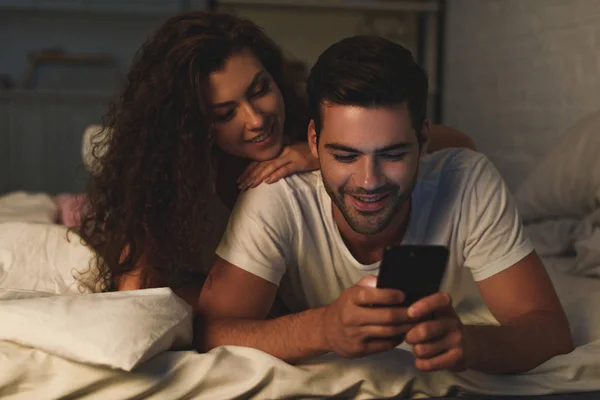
349	5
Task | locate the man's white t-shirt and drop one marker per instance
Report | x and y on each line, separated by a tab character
285	233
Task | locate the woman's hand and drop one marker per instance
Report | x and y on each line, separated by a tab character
293	159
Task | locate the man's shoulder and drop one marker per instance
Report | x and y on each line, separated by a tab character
450	173
287	193
454	160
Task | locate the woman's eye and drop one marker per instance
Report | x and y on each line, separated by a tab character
261	89
225	117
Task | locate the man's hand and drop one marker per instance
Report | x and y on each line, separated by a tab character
438	342
365	320
294	158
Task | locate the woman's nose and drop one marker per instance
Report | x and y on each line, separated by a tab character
253	118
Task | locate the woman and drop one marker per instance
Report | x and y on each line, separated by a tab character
207	109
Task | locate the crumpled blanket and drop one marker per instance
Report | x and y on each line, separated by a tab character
22	206
567	237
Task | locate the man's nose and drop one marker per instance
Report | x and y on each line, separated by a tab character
370	176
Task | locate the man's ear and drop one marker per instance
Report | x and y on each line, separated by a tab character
312	139
425	137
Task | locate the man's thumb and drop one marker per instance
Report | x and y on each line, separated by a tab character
368	281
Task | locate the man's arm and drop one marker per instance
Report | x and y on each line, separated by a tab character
533	326
513	283
443	137
232	307
233	304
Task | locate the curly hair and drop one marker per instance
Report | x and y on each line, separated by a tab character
155	168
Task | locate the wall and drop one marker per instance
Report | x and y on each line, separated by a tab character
519	73
40	133
23	32
303	34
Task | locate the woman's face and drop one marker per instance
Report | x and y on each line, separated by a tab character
248	108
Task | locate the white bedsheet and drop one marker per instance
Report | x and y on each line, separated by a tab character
235	372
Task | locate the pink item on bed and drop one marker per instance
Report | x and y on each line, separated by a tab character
70	207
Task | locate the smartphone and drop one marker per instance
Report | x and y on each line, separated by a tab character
416	270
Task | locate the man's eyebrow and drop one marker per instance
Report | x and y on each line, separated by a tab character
348	149
341	147
255	80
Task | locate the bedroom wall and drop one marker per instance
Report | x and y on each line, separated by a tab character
40	134
519	73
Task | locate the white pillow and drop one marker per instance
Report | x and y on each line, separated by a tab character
566	181
28	207
118	330
44	258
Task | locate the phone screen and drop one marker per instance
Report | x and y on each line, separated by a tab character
416	270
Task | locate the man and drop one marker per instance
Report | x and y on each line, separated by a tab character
320	236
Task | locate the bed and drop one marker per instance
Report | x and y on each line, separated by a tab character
90	345
59	338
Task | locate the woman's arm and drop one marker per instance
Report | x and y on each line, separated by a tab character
298	158
443	137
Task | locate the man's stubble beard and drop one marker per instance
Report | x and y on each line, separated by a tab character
376	222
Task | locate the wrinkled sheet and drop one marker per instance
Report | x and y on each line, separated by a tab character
236	372
569	236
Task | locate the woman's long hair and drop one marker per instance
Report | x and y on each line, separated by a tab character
154	168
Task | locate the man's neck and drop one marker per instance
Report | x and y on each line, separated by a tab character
368	249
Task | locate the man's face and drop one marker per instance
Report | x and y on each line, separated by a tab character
369	162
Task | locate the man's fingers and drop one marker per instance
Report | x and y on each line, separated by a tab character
430	304
370	296
429	330
433	348
380	316
378	346
379	332
368	281
450	359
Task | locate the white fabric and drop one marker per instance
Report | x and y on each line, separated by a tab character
117	330
92	135
568	236
236	372
45	258
560	200
28	207
285	231
566	181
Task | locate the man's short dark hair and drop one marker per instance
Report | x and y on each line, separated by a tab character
370	72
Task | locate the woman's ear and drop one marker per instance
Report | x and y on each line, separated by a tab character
312	139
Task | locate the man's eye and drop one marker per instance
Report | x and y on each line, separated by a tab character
344	158
394	156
